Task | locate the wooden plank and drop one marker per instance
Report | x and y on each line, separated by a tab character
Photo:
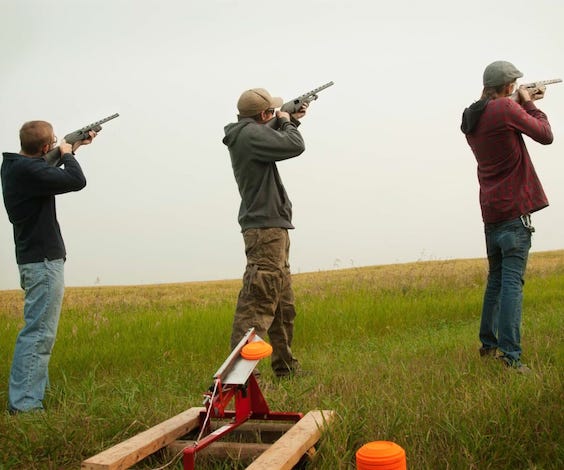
256	426
131	451
256	431
287	451
236	451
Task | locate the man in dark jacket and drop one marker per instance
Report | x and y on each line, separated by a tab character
29	186
266	300
509	192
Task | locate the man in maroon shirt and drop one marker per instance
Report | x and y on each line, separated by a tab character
510	191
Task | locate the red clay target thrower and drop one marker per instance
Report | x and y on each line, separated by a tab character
235	380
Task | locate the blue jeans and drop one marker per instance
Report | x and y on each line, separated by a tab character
43	284
508	244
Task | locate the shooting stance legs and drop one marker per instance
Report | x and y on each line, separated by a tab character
43	284
266	300
508	245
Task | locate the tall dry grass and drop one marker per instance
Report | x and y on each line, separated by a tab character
392	349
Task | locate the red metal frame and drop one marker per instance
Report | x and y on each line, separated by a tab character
249	404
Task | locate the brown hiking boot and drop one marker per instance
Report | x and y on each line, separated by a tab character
488	352
295	371
516	366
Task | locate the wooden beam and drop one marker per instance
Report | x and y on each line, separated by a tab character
287	451
255	431
236	451
131	451
284	454
256	426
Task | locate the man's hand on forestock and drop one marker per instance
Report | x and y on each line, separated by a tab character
91	135
302	112
537	93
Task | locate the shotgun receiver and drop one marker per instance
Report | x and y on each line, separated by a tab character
535	87
294	105
53	156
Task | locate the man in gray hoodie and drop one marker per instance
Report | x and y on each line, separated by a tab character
266	300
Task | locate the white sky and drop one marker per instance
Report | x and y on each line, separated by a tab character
387	176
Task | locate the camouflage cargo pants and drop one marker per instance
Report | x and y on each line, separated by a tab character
266	300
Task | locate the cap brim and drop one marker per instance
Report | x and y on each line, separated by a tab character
276	102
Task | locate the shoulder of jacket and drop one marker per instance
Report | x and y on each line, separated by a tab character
12	155
256	129
508	103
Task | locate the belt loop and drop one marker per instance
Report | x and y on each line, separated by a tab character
526	221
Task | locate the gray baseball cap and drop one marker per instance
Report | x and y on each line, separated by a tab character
499	73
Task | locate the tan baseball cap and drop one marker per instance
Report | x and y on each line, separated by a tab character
253	101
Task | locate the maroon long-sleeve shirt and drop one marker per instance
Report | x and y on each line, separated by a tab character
509	185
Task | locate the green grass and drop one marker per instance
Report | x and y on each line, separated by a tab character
393	350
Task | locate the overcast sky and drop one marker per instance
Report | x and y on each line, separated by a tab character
387	176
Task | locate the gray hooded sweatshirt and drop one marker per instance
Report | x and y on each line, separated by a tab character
254	149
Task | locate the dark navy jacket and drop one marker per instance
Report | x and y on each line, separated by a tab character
29	186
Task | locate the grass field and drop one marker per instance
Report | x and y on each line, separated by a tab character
392	349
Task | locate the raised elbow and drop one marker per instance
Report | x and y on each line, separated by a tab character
80	183
546	139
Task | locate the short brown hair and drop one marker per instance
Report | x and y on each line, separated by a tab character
489	92
34	135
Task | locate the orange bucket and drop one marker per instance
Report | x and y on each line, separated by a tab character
380	455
